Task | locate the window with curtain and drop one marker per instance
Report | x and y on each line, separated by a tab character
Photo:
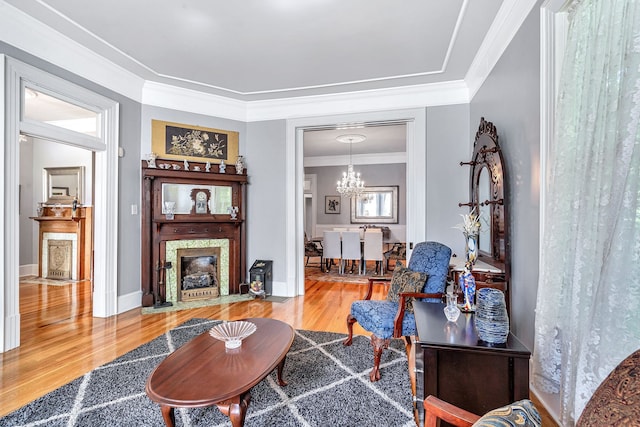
588	306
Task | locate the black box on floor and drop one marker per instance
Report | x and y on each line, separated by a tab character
261	278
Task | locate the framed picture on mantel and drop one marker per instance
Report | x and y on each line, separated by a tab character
332	204
193	143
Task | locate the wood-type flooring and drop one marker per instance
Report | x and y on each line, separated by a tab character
60	340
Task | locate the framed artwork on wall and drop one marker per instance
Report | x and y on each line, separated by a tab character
332	204
194	143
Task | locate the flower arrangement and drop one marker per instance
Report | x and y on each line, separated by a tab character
471	223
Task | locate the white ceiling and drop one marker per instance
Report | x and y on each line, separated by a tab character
267	49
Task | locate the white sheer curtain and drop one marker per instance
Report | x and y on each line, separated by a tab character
588	306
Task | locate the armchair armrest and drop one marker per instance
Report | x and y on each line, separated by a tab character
370	288
436	409
397	322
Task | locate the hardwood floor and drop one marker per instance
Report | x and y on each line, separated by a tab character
60	340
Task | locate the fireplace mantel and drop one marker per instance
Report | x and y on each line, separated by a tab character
68	223
158	229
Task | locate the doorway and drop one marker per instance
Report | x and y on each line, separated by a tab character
18	78
415	120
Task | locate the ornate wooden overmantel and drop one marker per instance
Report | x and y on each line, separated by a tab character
78	223
157	230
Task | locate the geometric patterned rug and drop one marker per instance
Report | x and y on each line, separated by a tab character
328	384
314	273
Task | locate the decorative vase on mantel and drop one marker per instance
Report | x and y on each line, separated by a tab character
240	165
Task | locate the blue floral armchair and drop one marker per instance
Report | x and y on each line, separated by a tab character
425	279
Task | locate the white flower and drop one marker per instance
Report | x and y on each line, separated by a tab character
471	223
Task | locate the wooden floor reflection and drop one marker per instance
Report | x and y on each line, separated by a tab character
60	340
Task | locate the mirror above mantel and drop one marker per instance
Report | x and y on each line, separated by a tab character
63	184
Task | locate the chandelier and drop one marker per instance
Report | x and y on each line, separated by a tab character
350	185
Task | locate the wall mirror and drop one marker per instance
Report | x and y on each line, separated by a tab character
219	197
486	189
375	205
63	184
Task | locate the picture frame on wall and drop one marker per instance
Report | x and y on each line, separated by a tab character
193	143
332	204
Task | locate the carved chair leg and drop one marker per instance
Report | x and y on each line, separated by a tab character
379	345
350	321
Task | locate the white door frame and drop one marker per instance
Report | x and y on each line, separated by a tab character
416	140
15	75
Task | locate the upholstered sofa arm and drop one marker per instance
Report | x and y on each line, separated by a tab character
436	409
397	323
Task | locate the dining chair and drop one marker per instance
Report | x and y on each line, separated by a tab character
373	250
331	249
359	230
311	250
351	250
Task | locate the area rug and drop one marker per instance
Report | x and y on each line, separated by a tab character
314	273
328	385
35	280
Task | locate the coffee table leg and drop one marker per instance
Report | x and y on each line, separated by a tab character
236	408
280	368
168	415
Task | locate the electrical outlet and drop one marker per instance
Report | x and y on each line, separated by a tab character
134	209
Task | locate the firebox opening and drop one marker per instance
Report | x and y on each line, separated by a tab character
198	271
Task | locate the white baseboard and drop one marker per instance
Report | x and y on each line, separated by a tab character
129	301
28	270
551	402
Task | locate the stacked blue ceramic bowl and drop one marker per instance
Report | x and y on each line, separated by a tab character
491	319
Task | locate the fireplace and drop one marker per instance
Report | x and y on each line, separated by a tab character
59	259
189	229
59	256
198	273
196	248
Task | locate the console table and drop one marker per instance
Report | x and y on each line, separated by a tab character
452	364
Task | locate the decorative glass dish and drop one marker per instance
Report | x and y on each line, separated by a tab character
232	333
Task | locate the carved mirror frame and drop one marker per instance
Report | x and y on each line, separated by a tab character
487	193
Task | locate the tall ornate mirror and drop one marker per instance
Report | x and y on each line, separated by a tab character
487	195
63	184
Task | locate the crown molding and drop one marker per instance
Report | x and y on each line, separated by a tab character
360	159
176	98
506	24
417	96
32	36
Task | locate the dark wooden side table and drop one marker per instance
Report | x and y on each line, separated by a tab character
452	364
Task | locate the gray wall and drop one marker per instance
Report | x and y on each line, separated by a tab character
267	222
129	165
448	144
373	175
510	98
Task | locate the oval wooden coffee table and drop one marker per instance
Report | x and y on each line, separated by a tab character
204	373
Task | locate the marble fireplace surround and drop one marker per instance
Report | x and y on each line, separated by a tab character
74	251
171	255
